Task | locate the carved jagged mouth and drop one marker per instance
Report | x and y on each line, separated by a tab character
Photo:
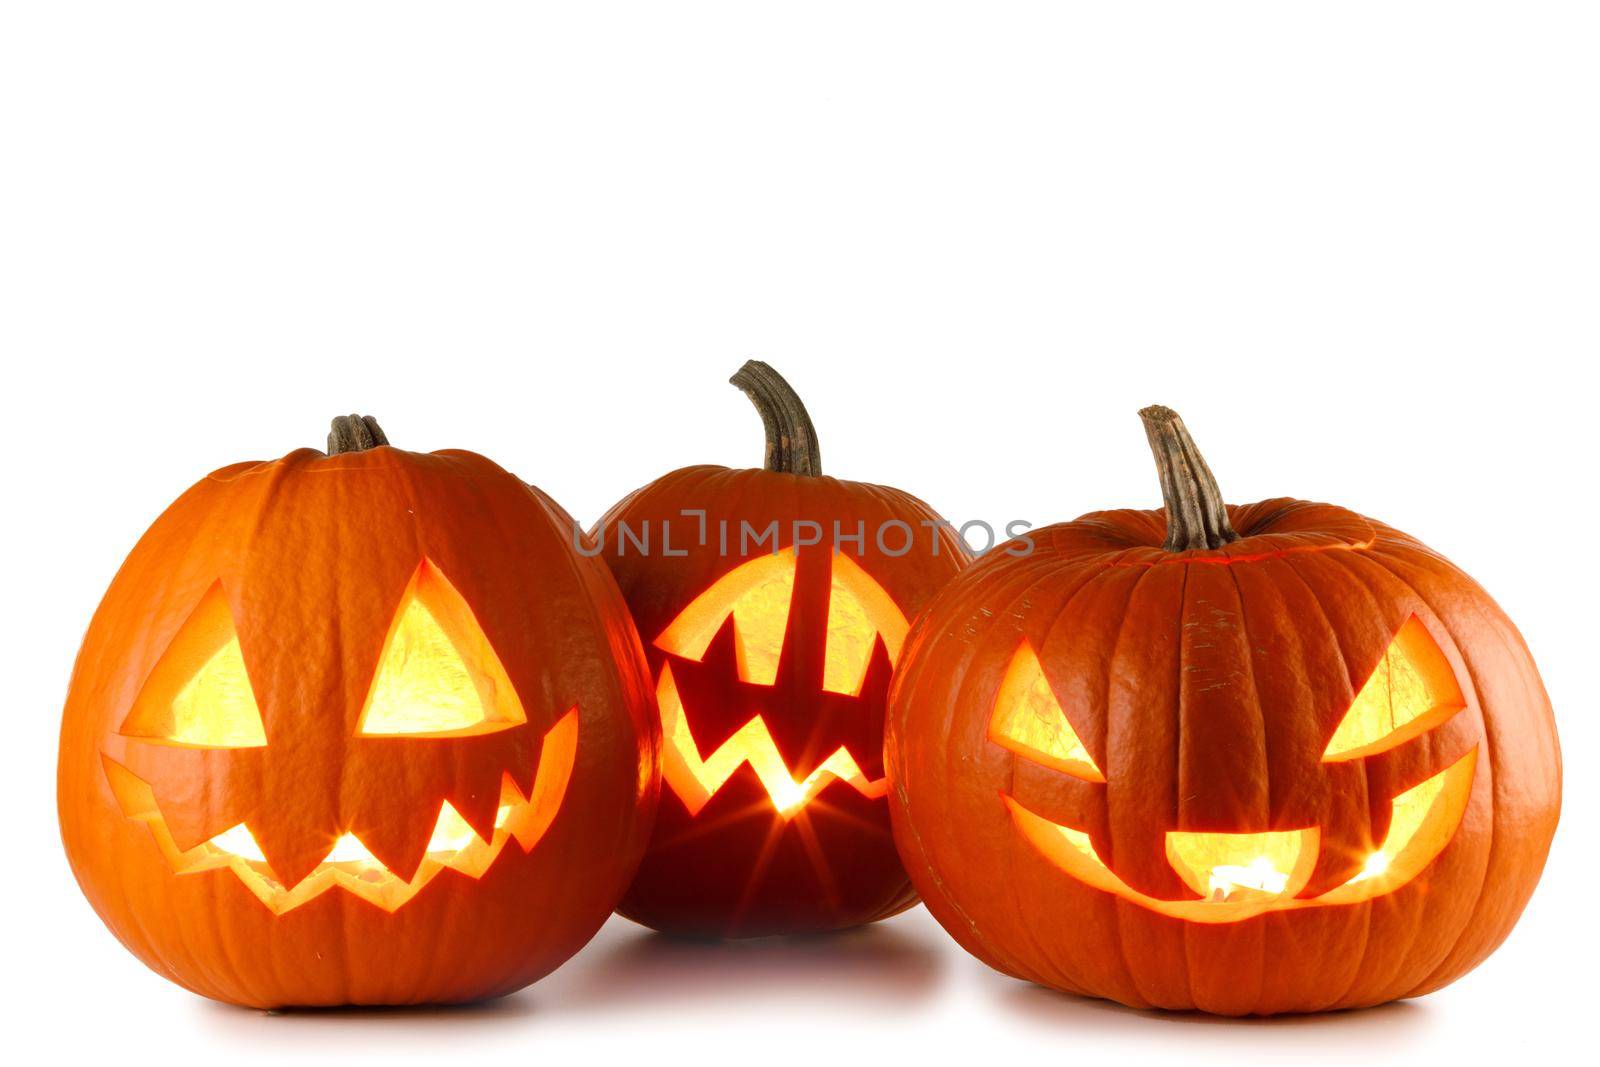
349	865
1239	876
696	780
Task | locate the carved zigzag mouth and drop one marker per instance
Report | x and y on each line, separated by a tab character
1265	871
696	780
349	865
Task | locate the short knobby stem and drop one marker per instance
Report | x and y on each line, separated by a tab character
1196	516
791	442
355	433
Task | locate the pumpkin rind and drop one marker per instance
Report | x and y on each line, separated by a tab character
1205	684
313	553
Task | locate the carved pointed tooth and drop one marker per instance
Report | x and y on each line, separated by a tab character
291	852
398	839
451	833
476	812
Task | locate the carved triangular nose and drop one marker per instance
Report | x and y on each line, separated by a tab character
1277	863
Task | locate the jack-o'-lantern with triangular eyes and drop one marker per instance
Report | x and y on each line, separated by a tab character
358	728
1248	760
773	604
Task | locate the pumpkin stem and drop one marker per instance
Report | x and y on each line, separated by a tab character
791	442
1196	516
355	433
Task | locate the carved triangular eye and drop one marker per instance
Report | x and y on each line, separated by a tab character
1029	721
438	675
1410	691
199	693
859	611
757	595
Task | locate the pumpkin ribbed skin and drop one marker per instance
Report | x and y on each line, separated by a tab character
314	553
1206	684
736	868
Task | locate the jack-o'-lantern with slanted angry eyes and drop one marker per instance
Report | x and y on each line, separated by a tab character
357	728
1248	760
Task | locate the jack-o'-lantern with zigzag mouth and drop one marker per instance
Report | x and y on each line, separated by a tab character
357	728
1274	758
771	654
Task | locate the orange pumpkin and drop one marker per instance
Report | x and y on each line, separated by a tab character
357	728
1248	760
771	654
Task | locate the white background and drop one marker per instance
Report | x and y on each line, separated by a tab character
1355	244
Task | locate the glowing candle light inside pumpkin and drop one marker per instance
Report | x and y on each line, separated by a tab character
452	833
1259	874
349	849
1377	864
241	842
1221	866
758	595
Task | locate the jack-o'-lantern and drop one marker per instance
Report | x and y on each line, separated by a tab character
773	604
1242	759
357	728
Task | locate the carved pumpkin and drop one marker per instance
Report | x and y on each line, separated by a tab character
358	728
1247	760
771	661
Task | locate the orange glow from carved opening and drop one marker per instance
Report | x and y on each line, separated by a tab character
1424	820
858	612
217	708
438	676
1417	833
349	865
695	780
1411	691
1233	866
758	594
1028	720
211	703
